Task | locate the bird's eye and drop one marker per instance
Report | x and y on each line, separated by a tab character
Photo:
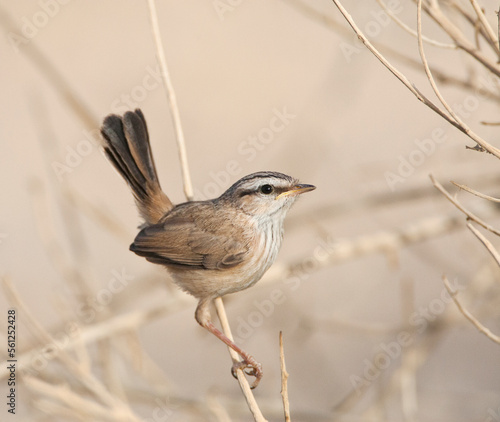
266	189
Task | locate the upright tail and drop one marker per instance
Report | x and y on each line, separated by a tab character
127	147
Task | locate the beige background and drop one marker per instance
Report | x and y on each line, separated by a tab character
353	121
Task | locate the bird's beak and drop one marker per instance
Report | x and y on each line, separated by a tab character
297	190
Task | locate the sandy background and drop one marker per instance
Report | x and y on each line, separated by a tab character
350	122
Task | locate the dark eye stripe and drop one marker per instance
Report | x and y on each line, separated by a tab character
246	192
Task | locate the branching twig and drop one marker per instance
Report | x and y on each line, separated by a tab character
485	24
421	97
435	12
475	192
405	27
468	315
463	127
461	208
488	245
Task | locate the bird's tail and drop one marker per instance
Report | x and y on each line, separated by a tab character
127	147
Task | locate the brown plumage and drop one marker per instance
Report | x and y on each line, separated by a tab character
211	248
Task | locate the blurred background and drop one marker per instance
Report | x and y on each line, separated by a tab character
370	332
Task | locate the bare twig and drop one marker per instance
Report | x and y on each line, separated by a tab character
401	24
481	328
172	101
245	387
435	12
426	65
284	381
475	192
421	97
485	24
455	117
473	21
488	245
461	208
303	7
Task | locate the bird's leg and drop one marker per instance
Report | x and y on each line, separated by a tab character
202	315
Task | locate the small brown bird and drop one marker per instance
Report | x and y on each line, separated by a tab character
210	248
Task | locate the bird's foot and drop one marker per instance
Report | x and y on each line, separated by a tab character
250	367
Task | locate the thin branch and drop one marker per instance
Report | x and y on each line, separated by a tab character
461	124
421	97
461	208
172	101
481	328
284	381
245	387
426	65
411	31
473	21
459	38
485	24
322	19
475	192
488	245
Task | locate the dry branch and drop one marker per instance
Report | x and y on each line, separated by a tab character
284	382
461	42
245	387
481	328
457	204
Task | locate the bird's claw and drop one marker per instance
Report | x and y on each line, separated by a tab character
251	368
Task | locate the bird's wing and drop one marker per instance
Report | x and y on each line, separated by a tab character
205	242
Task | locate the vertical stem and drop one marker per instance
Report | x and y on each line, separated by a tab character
172	101
284	382
245	387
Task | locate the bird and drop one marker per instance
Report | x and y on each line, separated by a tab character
210	248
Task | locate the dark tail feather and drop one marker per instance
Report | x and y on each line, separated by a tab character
127	147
